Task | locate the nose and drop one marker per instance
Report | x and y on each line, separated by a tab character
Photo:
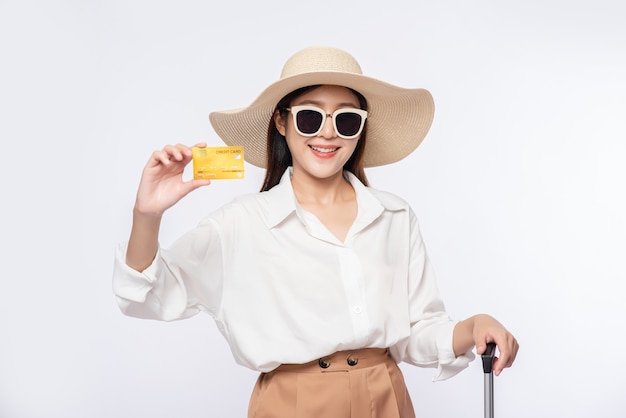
328	130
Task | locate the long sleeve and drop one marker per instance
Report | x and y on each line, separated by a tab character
430	343
181	281
282	289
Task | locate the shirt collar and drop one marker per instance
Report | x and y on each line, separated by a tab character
282	200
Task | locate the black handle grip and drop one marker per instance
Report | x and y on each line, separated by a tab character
488	356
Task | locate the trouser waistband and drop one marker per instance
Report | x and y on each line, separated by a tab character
340	361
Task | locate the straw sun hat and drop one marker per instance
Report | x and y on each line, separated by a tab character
398	118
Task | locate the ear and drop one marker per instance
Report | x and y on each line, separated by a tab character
280	122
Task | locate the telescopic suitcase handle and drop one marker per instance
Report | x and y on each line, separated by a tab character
488	357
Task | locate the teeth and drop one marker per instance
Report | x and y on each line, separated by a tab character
325	150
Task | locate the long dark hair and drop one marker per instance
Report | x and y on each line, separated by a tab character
278	154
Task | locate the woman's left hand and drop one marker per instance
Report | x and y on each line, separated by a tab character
487	330
479	330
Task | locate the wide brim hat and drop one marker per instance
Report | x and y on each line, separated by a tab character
397	122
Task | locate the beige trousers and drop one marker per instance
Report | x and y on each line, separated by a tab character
364	383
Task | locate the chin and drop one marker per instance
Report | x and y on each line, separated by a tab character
326	173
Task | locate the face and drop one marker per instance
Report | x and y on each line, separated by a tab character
324	154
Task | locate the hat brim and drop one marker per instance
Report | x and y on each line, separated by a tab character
398	118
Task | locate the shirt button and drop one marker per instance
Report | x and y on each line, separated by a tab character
357	309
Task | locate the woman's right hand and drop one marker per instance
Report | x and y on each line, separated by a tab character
162	184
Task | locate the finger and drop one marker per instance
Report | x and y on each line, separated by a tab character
194	184
481	347
200	183
500	364
496	366
176	152
163	156
513	352
185	149
508	353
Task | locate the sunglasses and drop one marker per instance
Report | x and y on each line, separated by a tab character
309	120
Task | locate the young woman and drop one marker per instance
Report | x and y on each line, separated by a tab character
319	282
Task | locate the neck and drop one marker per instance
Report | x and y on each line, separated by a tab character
326	191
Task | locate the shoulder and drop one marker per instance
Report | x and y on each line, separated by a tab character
236	207
389	200
245	209
251	202
395	205
367	195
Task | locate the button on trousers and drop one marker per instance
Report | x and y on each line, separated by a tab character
364	383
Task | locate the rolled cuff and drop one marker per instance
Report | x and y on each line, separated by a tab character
151	294
449	364
129	283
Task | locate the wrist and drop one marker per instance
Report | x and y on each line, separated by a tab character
148	217
463	337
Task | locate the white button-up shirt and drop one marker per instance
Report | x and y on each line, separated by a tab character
283	289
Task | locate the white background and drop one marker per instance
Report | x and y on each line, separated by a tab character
519	188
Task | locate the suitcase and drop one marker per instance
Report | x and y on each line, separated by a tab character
487	357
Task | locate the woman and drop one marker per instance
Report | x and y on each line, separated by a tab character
319	282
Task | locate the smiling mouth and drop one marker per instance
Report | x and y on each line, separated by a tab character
323	150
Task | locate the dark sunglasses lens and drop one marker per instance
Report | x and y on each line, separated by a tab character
348	123
309	121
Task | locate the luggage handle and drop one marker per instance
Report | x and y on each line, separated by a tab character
488	357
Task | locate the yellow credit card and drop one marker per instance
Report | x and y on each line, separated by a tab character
216	163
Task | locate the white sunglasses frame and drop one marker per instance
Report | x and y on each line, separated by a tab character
295	109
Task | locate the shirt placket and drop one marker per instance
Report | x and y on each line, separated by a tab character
353	280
